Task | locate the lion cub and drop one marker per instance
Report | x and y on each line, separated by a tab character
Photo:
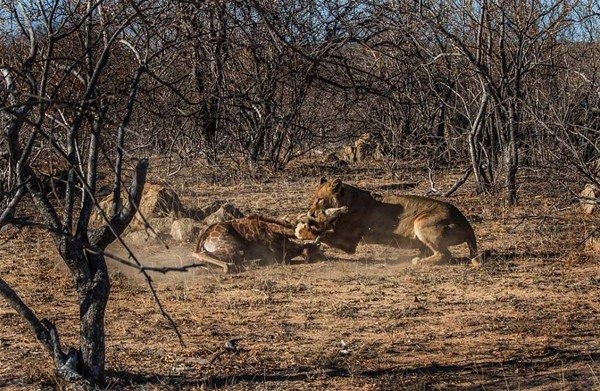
404	221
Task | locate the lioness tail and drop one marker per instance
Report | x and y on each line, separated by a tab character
472	243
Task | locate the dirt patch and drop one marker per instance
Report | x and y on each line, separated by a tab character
527	319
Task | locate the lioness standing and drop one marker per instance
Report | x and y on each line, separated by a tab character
403	221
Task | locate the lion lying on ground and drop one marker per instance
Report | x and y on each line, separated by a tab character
403	221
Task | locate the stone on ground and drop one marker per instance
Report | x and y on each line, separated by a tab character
157	201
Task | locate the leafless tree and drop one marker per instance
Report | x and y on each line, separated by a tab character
503	43
64	100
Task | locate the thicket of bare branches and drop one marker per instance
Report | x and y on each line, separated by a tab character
93	86
489	83
72	76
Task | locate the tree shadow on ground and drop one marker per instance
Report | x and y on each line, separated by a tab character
521	372
495	256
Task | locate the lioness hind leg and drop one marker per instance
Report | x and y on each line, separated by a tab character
424	252
432	238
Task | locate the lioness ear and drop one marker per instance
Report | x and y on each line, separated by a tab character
336	186
323	179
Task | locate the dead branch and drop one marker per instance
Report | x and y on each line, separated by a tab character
459	182
144	268
45	333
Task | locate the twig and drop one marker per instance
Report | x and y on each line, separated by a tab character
229	347
533	217
460	181
588	236
141	268
432	190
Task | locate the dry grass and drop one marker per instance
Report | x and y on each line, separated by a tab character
528	319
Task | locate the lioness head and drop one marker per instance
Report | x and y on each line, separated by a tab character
329	194
335	194
350	226
311	226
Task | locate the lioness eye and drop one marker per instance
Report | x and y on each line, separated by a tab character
320	202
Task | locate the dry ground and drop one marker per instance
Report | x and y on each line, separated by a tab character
529	319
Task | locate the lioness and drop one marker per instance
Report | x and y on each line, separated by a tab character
404	221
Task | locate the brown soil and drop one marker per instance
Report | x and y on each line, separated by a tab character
528	319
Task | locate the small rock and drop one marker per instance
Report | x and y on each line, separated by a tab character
157	201
160	227
9	231
212	207
200	214
140	237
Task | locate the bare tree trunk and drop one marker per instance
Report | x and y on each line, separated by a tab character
210	79
481	183
511	158
441	146
93	298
